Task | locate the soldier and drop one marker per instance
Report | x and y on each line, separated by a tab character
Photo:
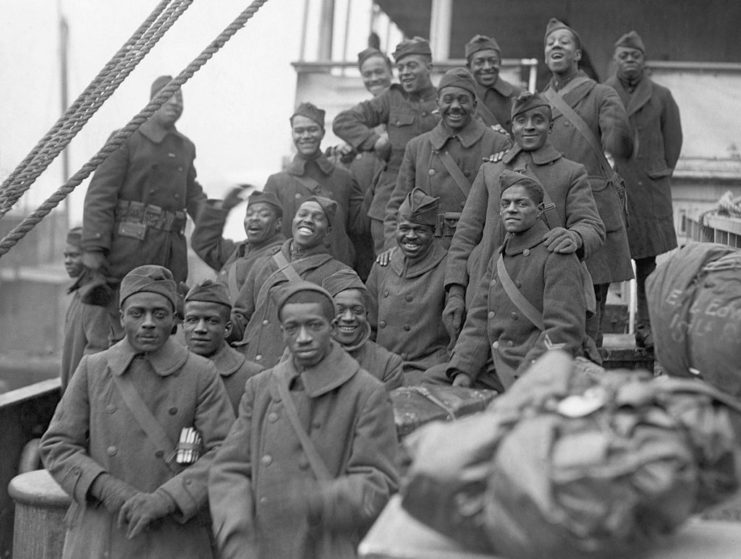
531	299
312	174
494	95
263	223
407	109
654	118
112	443
206	324
86	327
311	460
588	120
304	257
407	296
444	161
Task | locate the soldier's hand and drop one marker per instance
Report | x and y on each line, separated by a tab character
495	157
452	317
144	508
94	260
382	147
234	197
500	129
462	379
562	240
384	258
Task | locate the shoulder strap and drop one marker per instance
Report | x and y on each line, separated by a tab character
558	102
146	419
454	171
485	112
286	267
549	209
317	464
525	306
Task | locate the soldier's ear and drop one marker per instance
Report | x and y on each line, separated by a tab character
228	328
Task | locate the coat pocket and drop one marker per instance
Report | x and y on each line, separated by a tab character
610	206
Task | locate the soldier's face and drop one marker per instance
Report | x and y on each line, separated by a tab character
351	318
307	135
456	106
73	260
414	72
310	225
413	239
376	75
205	326
170	111
531	128
484	65
519	211
307	332
147	320
630	62
261	222
561	52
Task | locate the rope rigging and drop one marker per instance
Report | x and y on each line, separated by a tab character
90	100
119	137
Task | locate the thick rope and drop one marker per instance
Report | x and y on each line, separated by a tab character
20	231
99	90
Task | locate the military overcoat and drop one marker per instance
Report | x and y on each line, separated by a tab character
498	102
234	369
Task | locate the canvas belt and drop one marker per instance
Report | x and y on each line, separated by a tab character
150	215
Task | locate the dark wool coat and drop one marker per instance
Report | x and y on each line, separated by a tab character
265	499
93	431
234	370
380	362
423	168
551	282
498	100
407	302
160	173
405	116
255	326
231	259
480	231
657	129
324	179
600	107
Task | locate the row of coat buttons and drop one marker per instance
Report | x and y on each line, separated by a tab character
383	324
110	408
407	298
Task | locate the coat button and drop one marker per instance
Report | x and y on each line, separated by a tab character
173	410
510	343
431	172
265	322
272	417
407	327
111	450
159	453
382	324
385	292
514	316
424	113
258	357
266	460
495	345
526	252
263	500
492	314
297	196
409	298
110	408
176	196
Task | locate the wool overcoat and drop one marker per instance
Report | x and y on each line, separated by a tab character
93	431
600	108
265	500
498	102
480	231
657	128
380	362
234	370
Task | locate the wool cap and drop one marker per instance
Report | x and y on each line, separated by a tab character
257	197
370	52
158	84
526	101
209	291
631	40
420	208
481	42
305	292
74	237
555	24
458	77
343	280
150	279
415	45
327	204
511	178
311	111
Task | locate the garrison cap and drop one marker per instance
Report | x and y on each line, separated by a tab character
305	292
526	101
311	111
481	42
420	208
74	237
370	52
209	291
416	45
458	77
531	184
328	205
257	197
631	40
343	280
555	24
158	84
150	279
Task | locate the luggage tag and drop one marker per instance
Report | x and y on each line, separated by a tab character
582	405
189	446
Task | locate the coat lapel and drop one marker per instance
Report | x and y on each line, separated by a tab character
641	96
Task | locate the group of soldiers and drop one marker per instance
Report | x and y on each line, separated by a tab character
458	234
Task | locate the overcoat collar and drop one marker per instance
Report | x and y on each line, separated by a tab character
227	360
517	244
575	95
155	133
471	134
543	156
298	165
331	373
504	88
165	361
640	96
401	267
